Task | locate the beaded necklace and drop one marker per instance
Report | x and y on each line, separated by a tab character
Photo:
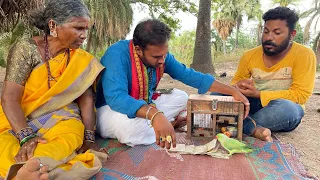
48	57
150	76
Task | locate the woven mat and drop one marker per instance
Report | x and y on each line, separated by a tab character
268	161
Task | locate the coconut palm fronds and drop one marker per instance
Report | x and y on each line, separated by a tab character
224	27
111	21
13	11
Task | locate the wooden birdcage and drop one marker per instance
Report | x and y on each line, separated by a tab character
209	115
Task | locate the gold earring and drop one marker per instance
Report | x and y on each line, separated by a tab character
53	33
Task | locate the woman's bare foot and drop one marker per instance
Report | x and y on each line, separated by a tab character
32	170
263	134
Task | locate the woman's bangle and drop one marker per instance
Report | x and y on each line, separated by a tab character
24	140
23	133
153	116
89	136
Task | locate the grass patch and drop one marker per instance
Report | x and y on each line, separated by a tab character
184	54
233	56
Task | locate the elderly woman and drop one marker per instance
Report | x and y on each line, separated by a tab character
47	106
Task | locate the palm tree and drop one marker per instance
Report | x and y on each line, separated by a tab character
229	14
8	38
224	27
111	22
202	59
314	15
13	18
224	15
112	18
250	8
13	11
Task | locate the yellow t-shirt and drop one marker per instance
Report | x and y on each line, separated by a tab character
292	78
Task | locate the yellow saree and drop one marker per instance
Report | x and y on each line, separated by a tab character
54	116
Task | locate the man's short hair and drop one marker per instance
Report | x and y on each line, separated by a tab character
282	13
151	32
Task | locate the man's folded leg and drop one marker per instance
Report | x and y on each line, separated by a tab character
279	115
135	131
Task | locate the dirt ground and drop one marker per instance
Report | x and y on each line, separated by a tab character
304	138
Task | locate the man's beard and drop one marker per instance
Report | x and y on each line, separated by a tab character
277	48
145	61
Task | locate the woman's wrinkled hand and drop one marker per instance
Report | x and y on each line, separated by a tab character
26	150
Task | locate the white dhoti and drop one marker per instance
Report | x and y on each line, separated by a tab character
136	131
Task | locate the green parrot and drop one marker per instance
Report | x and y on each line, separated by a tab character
233	145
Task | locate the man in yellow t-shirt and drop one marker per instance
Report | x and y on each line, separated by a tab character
277	77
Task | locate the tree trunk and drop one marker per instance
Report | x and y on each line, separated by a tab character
224	47
202	59
316	48
318	54
239	20
88	48
259	33
95	51
237	39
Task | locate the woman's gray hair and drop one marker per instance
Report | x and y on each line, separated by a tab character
60	11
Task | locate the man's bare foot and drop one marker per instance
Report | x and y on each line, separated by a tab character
33	171
263	134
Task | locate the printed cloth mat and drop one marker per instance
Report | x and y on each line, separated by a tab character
268	161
